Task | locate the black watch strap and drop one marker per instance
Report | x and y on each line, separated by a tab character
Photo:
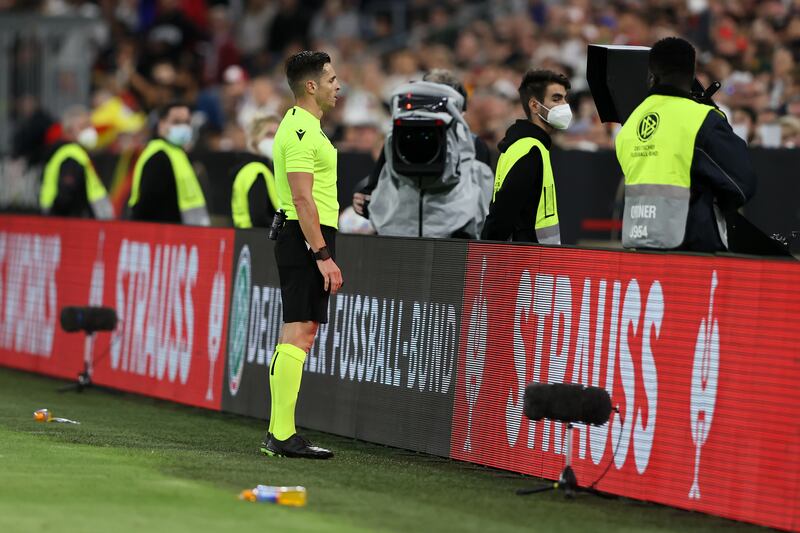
322	254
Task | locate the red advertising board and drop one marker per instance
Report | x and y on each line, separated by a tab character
700	354
167	283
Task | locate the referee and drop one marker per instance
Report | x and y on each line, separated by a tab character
305	179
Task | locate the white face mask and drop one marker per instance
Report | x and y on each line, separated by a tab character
88	138
179	134
558	116
265	146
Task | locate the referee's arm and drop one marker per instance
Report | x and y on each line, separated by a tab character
301	185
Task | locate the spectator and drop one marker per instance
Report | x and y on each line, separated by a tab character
362	133
251	35
154	52
743	123
172	34
33	123
337	20
290	26
790	131
221	51
259	99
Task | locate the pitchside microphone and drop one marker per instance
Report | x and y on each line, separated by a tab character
570	404
575	404
88	319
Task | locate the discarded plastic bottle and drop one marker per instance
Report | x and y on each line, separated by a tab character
291	496
44	415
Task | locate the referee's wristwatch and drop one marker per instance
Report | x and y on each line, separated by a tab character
322	254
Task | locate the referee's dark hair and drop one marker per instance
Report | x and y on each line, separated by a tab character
303	66
672	58
534	85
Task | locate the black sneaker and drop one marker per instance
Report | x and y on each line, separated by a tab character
294	446
263	447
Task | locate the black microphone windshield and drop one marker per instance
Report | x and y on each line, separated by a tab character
567	403
537	401
596	408
71	318
89	319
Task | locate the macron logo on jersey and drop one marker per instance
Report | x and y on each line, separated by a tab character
300	134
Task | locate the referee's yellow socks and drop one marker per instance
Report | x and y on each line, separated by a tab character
285	374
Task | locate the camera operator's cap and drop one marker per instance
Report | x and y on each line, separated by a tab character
618	79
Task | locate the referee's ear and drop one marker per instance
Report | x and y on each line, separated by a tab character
311	86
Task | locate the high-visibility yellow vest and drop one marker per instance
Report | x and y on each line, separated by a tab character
95	192
546	225
655	148
191	202
240	204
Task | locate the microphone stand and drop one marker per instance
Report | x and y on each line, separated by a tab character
84	380
567	481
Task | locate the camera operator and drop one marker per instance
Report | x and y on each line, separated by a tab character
684	166
401	221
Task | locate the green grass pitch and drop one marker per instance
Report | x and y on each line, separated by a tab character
143	465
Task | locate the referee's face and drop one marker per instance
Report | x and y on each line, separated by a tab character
326	94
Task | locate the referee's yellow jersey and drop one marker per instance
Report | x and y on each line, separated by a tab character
301	146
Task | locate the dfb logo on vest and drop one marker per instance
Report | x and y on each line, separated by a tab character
647	126
240	307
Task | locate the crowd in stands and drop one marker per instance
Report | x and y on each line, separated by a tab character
226	59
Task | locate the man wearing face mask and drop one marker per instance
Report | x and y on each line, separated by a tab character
685	168
254	198
70	184
165	186
524	206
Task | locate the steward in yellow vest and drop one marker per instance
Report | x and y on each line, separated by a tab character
70	184
254	198
684	166
524	205
165	187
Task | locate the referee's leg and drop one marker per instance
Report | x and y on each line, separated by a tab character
285	375
295	342
305	305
